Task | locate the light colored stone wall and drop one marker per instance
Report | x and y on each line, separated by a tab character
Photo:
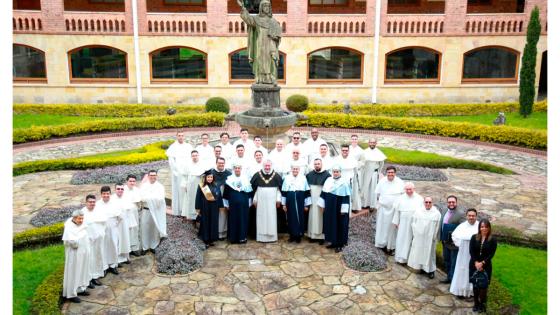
60	90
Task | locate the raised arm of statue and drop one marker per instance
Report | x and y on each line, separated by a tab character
240	3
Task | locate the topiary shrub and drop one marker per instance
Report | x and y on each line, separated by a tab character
217	104
47	298
297	103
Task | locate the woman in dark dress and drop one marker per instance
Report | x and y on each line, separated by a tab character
208	204
482	248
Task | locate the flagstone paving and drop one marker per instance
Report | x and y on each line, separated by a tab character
276	278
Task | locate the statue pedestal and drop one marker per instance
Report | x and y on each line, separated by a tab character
265	96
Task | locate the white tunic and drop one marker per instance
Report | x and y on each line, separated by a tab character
176	153
77	252
266	198
372	163
315	223
206	155
153	223
111	241
263	150
253	168
245	163
248	145
126	207
302	163
388	192
460	285
326	161
95	222
303	154
134	224
228	151
425	228
313	148
279	161
404	208
356	152
190	183
349	173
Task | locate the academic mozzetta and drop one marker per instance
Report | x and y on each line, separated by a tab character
185	51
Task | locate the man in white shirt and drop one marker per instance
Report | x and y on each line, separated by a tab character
153	222
241	158
313	144
460	284
372	163
297	160
111	243
132	193
195	169
244	140
404	208
325	156
296	143
257	140
390	188
177	153
355	150
125	207
206	152
350	174
95	221
279	157
77	253
228	150
256	165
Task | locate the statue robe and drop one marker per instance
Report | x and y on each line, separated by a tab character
177	153
335	200
404	208
425	228
315	217
388	192
77	253
267	188
296	196
237	198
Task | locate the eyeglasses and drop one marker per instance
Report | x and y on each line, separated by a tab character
295	137
119	188
427	202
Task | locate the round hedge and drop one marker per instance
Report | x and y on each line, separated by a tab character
297	103
217	104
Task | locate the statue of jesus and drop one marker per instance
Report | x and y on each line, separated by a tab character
262	42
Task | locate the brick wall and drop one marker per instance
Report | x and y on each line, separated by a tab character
161	6
86	5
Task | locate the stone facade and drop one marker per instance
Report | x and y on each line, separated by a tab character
217	33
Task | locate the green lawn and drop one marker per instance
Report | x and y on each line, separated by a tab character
523	271
536	120
30	267
28	120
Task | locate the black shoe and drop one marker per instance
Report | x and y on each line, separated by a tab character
321	242
338	249
85	293
91	286
446	281
127	262
431	275
298	240
152	251
119	265
331	246
391	252
96	282
243	242
482	308
135	253
114	270
475	308
212	244
75	300
206	246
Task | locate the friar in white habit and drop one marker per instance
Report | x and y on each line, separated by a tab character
126	207
111	240
316	179
425	228
132	193
190	182
206	152
95	221
267	185
372	163
178	154
77	251
405	206
460	284
387	192
153	223
350	171
279	157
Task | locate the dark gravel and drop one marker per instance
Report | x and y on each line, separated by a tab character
114	174
48	216
417	173
360	253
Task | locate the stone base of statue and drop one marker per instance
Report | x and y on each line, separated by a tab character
266	118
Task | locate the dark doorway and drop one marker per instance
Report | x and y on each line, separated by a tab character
543	78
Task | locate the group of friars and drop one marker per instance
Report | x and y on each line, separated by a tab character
242	190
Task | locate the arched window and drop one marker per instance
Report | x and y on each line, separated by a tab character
412	64
28	64
242	71
335	64
490	64
98	63
176	64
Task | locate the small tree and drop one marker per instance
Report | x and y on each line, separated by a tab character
528	65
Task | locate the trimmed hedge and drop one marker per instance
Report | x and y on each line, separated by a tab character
105	110
37	133
512	236
40	236
297	103
47	298
152	152
217	104
536	139
403	110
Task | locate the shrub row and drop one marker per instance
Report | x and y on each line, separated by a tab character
536	139
36	133
402	110
512	236
47	298
105	110
152	152
40	236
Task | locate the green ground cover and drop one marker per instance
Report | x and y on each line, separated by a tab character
30	267
28	120
523	271
536	120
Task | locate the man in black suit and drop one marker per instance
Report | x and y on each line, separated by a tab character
450	219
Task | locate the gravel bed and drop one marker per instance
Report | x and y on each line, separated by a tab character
50	215
115	174
417	173
360	253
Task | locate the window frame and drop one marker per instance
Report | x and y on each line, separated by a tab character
177	81
32	79
247	81
322	5
413	81
491	80
97	80
185	4
336	81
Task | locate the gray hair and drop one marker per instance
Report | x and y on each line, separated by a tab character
409	184
77	213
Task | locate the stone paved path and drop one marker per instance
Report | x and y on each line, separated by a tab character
277	278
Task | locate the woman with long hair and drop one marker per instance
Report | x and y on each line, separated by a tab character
482	248
208	204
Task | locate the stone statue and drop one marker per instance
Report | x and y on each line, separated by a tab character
500	120
264	34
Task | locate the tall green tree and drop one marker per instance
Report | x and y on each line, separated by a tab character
528	65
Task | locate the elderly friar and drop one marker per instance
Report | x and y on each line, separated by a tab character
425	228
404	208
267	187
77	252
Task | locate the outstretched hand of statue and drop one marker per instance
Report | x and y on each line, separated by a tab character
240	3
